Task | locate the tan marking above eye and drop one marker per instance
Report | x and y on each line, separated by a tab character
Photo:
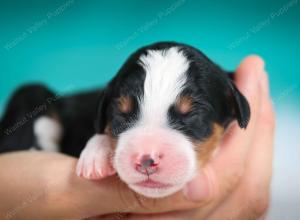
184	104
125	104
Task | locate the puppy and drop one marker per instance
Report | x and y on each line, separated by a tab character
157	122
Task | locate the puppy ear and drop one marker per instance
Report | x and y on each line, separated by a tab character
101	116
241	108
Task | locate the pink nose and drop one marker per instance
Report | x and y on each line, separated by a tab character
146	165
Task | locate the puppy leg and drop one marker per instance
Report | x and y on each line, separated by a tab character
95	159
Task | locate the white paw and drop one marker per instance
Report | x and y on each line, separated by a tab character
95	159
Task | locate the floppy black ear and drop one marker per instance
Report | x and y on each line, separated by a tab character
241	108
101	116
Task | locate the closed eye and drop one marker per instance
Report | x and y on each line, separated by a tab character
124	114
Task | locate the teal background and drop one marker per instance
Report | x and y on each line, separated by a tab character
84	44
72	45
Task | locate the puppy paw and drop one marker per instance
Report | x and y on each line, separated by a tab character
95	159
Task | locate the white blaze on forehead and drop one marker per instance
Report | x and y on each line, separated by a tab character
165	77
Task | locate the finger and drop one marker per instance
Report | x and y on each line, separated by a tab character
247	78
250	200
237	141
214	178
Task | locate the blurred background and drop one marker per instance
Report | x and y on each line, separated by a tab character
73	45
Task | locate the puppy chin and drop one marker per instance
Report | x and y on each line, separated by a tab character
158	188
156	192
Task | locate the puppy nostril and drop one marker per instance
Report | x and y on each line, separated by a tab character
147	161
146	165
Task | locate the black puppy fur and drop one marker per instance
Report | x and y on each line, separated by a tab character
215	100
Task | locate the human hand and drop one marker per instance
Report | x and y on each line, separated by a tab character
40	185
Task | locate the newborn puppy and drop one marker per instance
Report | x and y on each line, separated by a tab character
158	121
161	118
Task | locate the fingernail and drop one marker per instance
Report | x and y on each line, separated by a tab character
198	189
